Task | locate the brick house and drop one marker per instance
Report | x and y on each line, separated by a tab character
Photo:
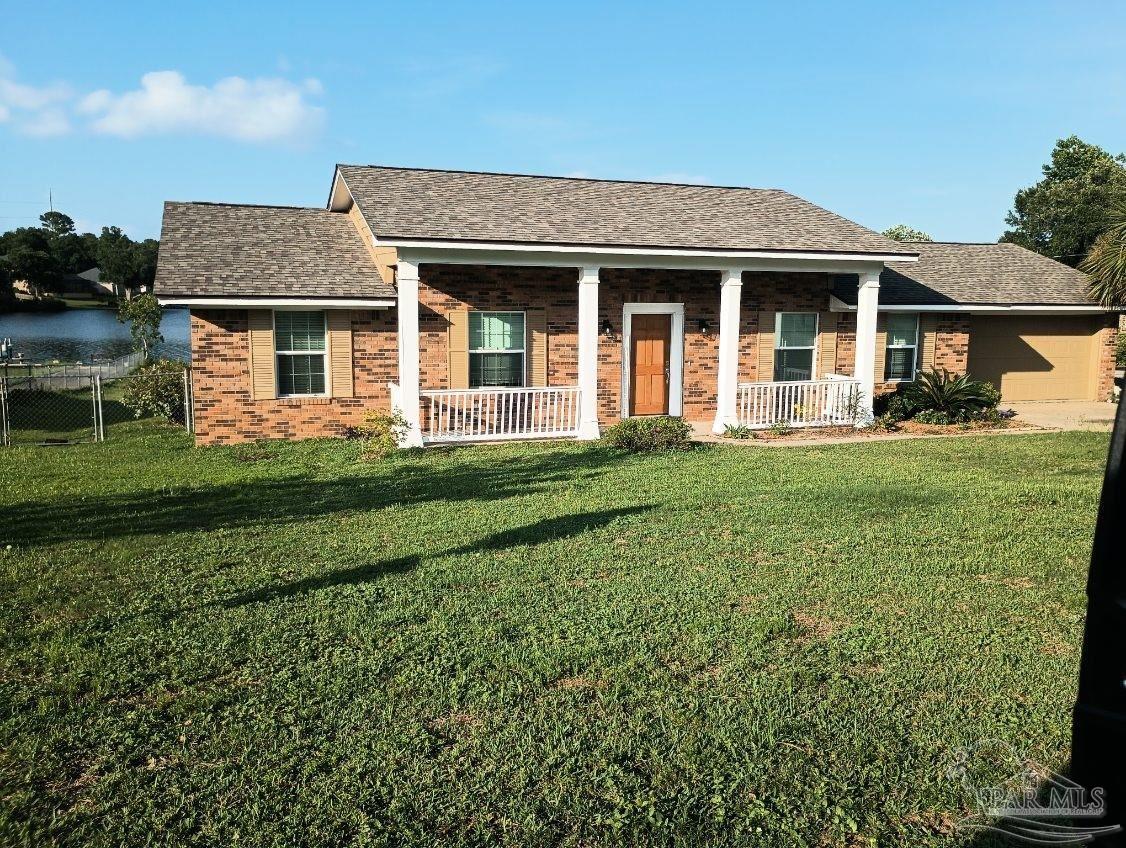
492	306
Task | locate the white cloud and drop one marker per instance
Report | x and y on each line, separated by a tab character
31	109
49	122
257	110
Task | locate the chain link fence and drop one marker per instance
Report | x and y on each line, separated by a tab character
55	409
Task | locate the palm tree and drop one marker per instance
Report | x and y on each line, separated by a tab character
1106	263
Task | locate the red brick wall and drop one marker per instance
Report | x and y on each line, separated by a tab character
443	289
951	351
775	292
225	412
952	343
1107	340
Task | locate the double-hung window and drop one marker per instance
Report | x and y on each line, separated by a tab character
299	342
496	349
902	354
795	336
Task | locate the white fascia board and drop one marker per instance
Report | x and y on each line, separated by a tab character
340	195
838	305
276	302
577	257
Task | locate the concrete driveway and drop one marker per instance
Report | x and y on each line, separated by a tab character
1066	414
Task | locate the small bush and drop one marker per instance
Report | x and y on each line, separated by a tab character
641	435
738	431
156	390
887	423
933	416
898	408
780	428
380	433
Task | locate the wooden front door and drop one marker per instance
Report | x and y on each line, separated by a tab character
650	340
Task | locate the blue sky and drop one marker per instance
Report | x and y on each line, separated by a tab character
931	114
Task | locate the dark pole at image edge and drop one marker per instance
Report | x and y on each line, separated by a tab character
1098	734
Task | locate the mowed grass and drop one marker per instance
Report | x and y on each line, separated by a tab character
281	644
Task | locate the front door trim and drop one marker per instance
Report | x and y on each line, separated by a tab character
676	352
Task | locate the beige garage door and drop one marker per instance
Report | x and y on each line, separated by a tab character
1046	358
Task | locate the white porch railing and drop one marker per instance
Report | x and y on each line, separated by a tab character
799	403
463	415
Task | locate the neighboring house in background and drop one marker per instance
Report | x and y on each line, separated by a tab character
493	306
88	283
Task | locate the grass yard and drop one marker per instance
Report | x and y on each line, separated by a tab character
279	644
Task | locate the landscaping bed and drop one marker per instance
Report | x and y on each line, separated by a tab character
905	428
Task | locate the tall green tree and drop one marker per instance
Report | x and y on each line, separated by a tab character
116	257
27	256
144	262
902	232
1106	263
73	253
1063	214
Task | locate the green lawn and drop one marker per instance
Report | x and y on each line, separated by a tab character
279	644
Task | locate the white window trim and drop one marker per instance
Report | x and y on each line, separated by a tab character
322	353
676	352
914	357
813	348
523	351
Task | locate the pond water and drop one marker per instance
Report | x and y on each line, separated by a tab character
81	335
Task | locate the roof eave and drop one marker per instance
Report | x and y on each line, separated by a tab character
838	305
408	242
271	302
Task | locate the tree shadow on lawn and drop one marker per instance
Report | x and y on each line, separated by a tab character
282	500
546	530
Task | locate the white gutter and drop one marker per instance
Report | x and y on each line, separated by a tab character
499	247
838	305
273	302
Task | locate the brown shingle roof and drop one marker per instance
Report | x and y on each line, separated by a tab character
409	203
994	274
217	249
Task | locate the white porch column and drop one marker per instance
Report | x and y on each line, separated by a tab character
867	301
588	353
727	374
406	280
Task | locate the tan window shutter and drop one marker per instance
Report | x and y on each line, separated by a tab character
765	347
340	353
536	330
928	332
263	382
827	344
881	346
457	342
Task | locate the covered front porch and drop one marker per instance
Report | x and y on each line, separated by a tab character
512	344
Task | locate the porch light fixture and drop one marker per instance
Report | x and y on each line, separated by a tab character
705	327
607	327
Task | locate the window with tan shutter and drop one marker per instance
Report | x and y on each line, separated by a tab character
299	345
795	338
901	354
496	349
